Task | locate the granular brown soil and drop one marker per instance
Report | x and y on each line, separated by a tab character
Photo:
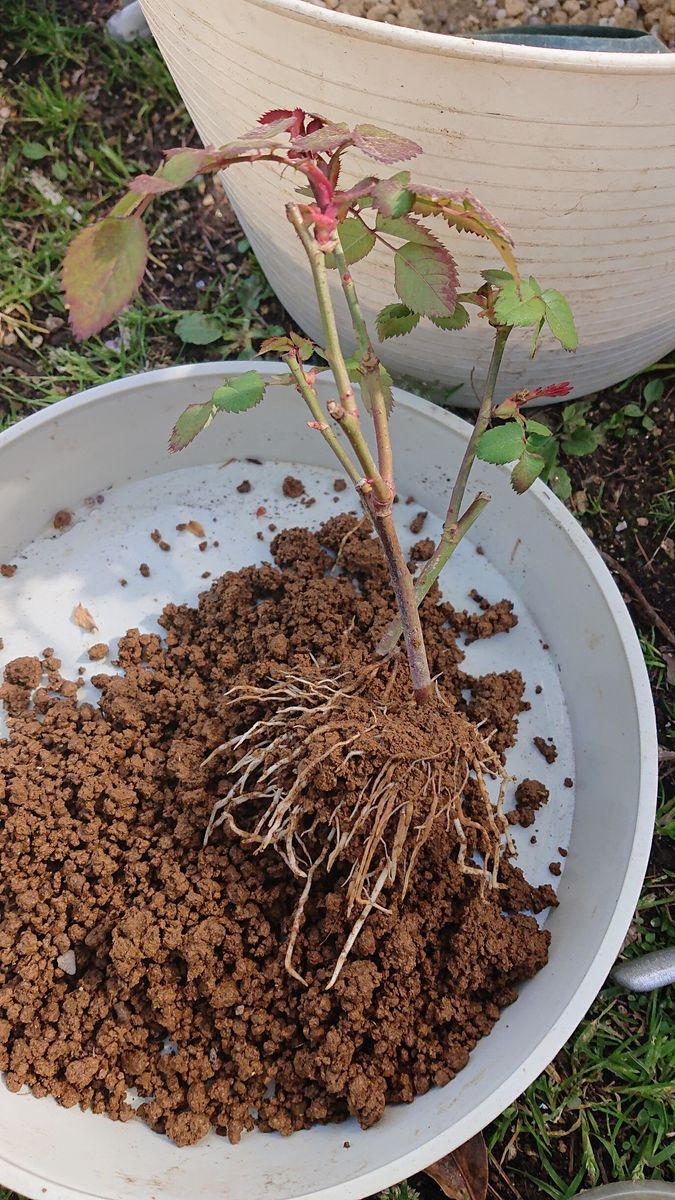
132	957
470	16
531	795
547	749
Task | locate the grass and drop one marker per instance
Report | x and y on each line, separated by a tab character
83	114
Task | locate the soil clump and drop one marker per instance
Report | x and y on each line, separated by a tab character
135	961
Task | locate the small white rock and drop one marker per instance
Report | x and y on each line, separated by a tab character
67	962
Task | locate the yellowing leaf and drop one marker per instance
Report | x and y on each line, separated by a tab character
102	270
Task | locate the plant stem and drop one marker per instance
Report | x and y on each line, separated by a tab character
455	527
448	543
370	365
482	420
334	353
311	399
407	604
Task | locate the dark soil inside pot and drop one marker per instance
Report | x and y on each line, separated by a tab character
470	16
133	957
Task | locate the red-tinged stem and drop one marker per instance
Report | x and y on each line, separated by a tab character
406	602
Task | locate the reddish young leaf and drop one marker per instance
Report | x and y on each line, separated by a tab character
102	270
324	140
463	211
383	146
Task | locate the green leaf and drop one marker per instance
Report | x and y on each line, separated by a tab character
559	319
356	240
405	228
503	444
35	151
527	469
395	320
60	171
513	309
425	278
240	392
560	483
538	427
582	441
458	319
102	270
653	391
497	276
198	329
191	422
633	410
535	336
392	197
383	146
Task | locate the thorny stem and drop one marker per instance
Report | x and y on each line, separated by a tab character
455	527
346	412
311	399
370	365
334	353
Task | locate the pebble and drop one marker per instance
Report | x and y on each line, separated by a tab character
444	16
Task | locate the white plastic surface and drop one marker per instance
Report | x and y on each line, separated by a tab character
110	442
573	150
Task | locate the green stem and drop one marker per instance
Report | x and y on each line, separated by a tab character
317	262
311	399
370	365
482	421
455	527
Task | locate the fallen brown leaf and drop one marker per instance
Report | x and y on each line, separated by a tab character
191	527
463	1175
84	619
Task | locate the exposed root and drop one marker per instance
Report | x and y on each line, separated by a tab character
334	771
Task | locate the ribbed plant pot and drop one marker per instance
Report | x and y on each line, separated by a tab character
573	150
574	643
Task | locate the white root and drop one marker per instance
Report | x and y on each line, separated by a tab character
276	763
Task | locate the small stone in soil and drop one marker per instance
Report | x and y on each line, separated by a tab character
203	546
555	868
244	486
292	487
562	852
62	519
568	783
417	522
98	651
122	582
164	546
7	570
547	749
156	536
144	570
538	690
340	485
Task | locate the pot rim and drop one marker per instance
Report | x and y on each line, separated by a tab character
450	46
28	1182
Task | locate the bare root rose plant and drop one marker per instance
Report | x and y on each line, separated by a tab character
309	722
